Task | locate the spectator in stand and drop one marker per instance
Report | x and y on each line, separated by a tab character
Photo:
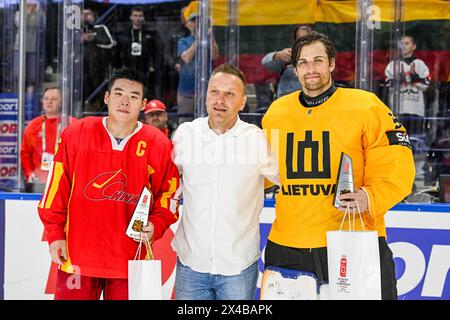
280	61
97	44
40	137
140	48
173	61
181	32
187	48
414	81
155	114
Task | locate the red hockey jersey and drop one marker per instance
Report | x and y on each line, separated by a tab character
93	188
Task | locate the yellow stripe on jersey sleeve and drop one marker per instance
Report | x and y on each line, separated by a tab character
166	195
58	171
68	267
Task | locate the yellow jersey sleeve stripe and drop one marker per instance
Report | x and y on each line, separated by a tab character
47	183
68	267
57	174
166	195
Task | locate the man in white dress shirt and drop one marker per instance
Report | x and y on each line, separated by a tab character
223	162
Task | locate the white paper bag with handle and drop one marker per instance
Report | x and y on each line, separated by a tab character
144	276
353	262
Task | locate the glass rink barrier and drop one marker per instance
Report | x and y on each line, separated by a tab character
397	49
418	235
66	50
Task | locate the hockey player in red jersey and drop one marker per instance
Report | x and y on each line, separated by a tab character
98	173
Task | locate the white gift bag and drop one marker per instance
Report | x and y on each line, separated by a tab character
353	263
144	276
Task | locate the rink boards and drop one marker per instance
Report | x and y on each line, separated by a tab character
419	237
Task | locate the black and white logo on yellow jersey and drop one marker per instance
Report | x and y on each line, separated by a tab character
305	162
398	138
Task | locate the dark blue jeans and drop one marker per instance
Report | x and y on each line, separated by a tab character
192	285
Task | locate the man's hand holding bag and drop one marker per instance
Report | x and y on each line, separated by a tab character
353	261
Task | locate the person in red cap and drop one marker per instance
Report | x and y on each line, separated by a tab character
155	114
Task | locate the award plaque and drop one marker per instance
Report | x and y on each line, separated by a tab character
345	178
140	215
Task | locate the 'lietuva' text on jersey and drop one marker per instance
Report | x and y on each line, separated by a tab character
309	142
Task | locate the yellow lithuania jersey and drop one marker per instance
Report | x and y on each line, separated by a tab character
309	142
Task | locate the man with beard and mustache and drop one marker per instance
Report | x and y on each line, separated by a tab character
310	129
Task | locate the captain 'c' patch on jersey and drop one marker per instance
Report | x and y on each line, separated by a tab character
141	146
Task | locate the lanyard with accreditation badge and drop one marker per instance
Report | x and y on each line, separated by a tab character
47	158
136	47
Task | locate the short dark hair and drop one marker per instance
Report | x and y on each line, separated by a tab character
137	8
129	74
309	39
298	27
409	36
230	69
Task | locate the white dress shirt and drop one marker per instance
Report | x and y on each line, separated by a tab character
223	195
